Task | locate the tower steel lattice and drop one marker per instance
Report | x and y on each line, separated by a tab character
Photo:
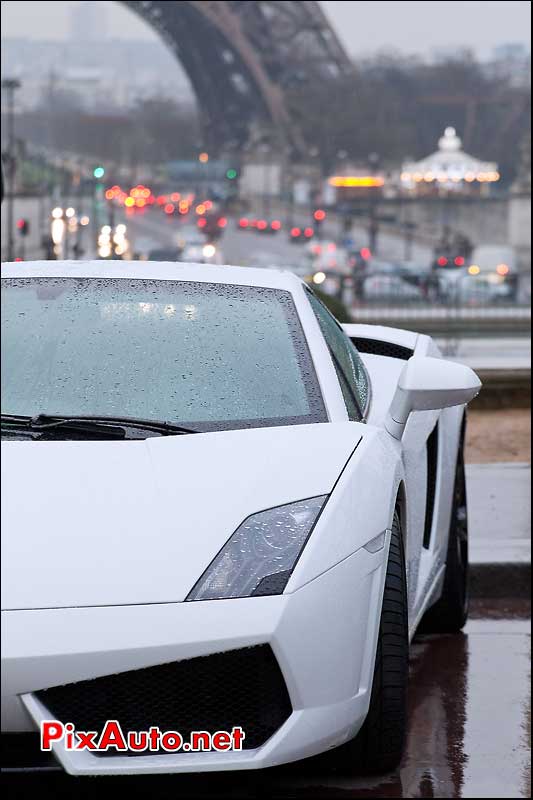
245	59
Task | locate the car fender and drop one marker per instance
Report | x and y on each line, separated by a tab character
359	509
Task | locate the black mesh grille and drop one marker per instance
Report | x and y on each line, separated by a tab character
376	347
218	692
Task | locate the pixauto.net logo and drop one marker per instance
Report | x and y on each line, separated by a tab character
112	739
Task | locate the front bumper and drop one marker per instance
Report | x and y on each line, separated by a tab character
323	636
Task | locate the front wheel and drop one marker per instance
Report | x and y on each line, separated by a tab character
378	747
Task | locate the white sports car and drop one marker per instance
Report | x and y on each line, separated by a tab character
220	512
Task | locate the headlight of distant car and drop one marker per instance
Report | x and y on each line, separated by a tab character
259	557
209	250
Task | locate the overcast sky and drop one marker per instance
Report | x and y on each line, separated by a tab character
364	27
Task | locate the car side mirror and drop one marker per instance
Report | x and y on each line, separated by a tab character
427	384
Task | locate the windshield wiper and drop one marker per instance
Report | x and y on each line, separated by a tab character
37	428
93	424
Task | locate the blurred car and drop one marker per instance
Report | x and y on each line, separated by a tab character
389	287
201	253
496	266
260	225
482	290
189	235
447	269
358	258
388	280
142	247
298	234
327	256
164	254
267	260
448	260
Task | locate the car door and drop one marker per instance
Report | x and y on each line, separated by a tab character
419	445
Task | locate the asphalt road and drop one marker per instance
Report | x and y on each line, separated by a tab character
239	248
242	247
469	732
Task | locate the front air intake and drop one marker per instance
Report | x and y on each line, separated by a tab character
242	687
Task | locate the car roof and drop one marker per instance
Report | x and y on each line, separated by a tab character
156	270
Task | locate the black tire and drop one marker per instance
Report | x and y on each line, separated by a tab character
450	612
378	747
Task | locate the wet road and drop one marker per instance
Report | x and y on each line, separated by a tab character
469	732
251	248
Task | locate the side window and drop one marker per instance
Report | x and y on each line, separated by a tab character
352	406
350	369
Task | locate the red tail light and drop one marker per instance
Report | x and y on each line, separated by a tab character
296	232
222	222
262	224
309	232
366	253
276	225
459	261
442	261
243	223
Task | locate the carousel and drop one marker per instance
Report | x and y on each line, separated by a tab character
449	170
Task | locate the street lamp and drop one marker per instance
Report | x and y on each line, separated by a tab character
289	185
265	151
315	188
373	227
10	86
201	177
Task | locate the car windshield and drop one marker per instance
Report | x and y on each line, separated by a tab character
210	356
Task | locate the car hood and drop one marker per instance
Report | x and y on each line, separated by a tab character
98	523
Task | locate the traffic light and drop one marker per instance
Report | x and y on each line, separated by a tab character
231	174
99	172
319	215
23	227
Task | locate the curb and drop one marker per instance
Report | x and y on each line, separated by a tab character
503	389
500	530
500	580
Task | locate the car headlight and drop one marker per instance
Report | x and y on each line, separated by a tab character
259	557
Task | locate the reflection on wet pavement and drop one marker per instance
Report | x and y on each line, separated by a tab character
469	733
